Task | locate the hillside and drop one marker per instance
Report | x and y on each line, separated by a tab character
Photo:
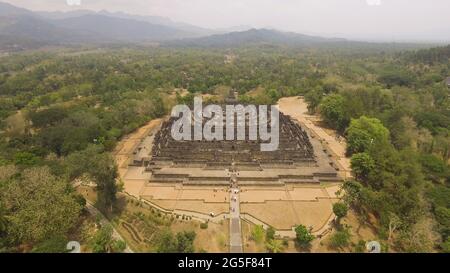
252	37
120	29
23	29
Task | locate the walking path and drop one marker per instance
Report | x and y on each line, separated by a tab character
104	222
235	224
235	218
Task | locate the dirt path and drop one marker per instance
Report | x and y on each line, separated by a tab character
297	108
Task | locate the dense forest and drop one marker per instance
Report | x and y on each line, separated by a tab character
63	112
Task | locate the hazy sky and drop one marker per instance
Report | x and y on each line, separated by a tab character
362	19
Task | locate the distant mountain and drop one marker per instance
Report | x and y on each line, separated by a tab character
57	15
118	29
9	25
10	10
253	37
24	29
193	31
35	29
10	43
239	28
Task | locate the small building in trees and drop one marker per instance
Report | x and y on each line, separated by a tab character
447	81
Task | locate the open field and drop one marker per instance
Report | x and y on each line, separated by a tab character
206	194
279	207
192	206
284	215
305	193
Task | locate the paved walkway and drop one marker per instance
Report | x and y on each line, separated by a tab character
235	222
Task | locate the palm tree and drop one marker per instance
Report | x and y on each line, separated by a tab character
274	246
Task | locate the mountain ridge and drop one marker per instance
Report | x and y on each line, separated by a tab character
18	25
104	27
252	37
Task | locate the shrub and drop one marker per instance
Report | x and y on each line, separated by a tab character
340	239
303	235
360	247
270	233
258	234
56	244
119	246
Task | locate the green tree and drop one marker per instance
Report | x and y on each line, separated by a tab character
258	233
394	223
445	246
274	246
353	191
38	206
435	168
340	210
303	235
103	242
313	98
396	76
47	117
333	111
80	163
25	159
105	174
270	233
182	242
167	243
443	218
362	165
365	134
185	241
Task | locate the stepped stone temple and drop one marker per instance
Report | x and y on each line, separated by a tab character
234	179
298	159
